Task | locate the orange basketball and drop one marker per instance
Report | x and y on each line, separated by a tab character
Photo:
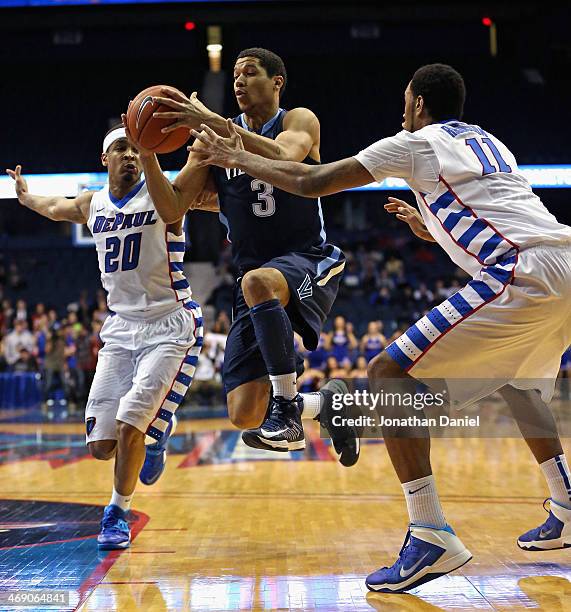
146	129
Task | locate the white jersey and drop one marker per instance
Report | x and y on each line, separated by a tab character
140	261
472	197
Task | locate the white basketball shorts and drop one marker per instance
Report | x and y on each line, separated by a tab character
143	372
509	325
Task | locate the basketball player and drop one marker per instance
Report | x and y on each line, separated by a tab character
152	339
289	274
506	329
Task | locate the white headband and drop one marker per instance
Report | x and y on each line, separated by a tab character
112	137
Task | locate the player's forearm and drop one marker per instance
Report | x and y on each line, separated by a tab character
167	200
254	143
293	177
47	206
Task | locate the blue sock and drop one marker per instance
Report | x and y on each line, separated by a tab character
274	334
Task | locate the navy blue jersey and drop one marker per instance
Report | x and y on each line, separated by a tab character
264	222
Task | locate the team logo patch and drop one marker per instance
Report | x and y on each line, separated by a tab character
305	290
89	425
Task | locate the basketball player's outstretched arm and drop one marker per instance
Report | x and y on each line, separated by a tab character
294	177
56	208
300	136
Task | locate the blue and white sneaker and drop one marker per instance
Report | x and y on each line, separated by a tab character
115	533
553	534
427	553
156	456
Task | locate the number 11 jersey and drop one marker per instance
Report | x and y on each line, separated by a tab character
140	261
262	221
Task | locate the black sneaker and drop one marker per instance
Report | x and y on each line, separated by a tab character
282	430
345	438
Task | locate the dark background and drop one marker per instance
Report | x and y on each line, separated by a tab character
70	71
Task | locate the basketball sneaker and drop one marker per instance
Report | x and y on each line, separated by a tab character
345	438
115	533
156	456
553	534
282	430
427	553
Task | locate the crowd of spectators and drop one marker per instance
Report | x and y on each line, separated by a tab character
61	349
381	294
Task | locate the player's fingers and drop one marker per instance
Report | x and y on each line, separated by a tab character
202	136
172	127
173	94
209	131
391	206
10	173
397	201
193	95
231	127
168	115
18	170
401	217
168	102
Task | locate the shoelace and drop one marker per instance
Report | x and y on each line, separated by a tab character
109	521
407	549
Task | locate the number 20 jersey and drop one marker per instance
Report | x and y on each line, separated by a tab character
140	261
264	222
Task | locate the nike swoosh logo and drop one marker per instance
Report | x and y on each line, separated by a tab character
419	489
272	434
100	209
147	100
544	534
405	573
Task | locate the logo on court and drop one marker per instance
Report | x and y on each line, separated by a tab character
305	290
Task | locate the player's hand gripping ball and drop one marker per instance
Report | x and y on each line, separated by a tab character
145	130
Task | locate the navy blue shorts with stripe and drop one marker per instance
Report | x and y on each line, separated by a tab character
313	280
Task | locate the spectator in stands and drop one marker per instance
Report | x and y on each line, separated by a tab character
7	315
38	314
206	383
359	374
373	342
53	322
342	341
3	362
55	364
311	378
334	370
21	310
17	339
26	362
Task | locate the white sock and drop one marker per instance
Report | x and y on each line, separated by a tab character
556	472
284	385
123	501
422	502
311	405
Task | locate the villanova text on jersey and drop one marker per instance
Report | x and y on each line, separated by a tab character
264	222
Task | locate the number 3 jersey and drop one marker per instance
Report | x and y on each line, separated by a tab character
264	222
141	262
474	201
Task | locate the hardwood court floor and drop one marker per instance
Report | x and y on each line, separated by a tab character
227	528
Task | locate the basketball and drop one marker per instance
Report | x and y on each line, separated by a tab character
146	129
